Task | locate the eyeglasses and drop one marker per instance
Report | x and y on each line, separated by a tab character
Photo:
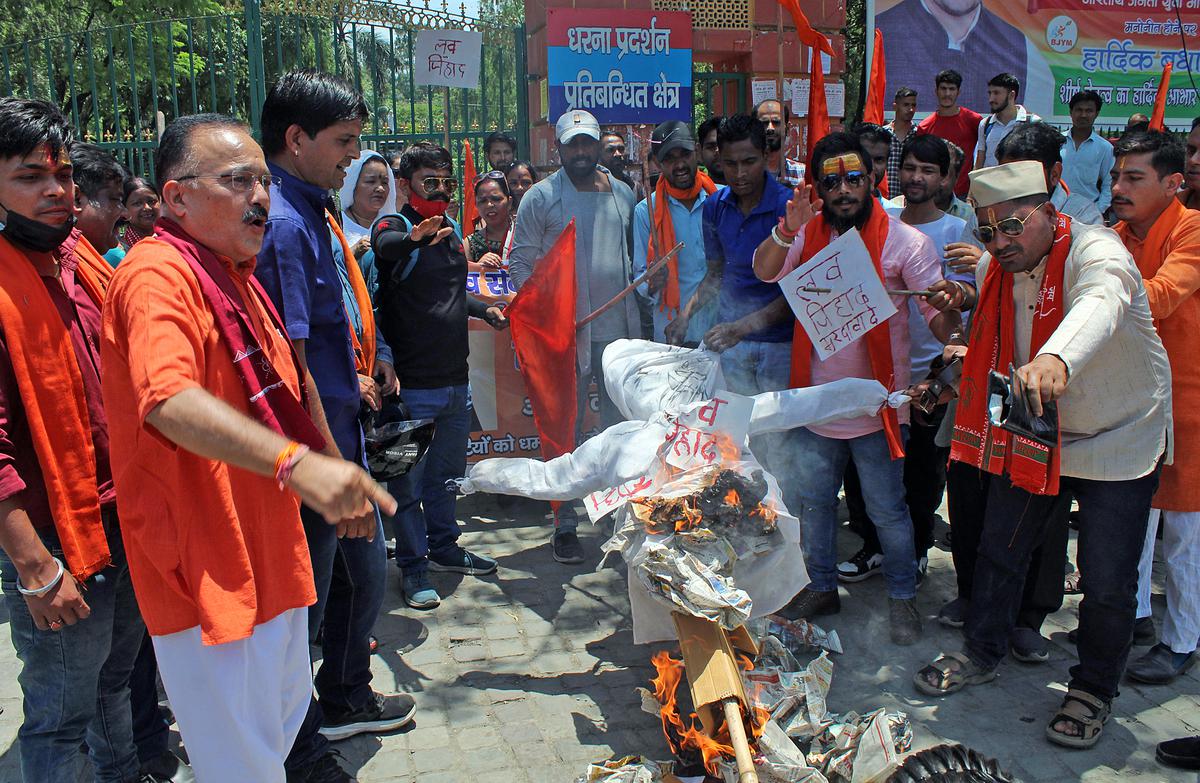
855	179
449	184
1010	226
239	181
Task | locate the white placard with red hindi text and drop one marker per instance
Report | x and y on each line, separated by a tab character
694	441
855	303
447	58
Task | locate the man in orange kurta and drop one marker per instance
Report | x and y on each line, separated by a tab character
1164	238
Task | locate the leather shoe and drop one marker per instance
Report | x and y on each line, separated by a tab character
812	603
1182	753
1160	665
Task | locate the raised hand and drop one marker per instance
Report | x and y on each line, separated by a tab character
431	227
801	208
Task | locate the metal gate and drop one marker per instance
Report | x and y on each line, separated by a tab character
718	94
119	84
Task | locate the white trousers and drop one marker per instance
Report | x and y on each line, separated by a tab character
1181	553
239	705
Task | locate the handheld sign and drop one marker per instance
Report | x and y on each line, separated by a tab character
447	58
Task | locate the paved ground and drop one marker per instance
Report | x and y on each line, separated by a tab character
527	675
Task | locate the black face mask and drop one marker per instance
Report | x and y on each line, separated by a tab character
33	234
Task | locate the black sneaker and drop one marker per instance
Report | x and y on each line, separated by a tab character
863	565
460	561
381	713
324	770
166	768
567	548
812	603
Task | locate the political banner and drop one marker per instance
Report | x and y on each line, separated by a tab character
1055	48
638	70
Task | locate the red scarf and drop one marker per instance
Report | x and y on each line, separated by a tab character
976	441
662	234
270	400
817	235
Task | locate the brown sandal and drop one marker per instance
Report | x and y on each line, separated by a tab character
1089	713
951	679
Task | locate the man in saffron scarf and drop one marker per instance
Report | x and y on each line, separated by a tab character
1164	237
74	622
674	213
1063	302
904	258
215	447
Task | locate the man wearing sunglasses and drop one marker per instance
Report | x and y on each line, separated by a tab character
904	258
1064	304
1164	238
311	123
423	308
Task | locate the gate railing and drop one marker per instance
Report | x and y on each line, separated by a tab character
120	84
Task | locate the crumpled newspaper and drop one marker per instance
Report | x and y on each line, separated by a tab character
796	700
631	769
688	575
780	640
862	749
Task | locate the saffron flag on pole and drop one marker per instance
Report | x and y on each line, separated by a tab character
470	212
542	320
804	31
818	114
873	111
1160	100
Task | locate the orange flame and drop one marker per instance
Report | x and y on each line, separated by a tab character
730	451
732	498
670	672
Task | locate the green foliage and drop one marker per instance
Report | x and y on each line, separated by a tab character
856	57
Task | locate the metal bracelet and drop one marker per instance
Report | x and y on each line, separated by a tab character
776	238
53	583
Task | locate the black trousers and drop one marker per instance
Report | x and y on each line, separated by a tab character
967	503
924	484
1112	529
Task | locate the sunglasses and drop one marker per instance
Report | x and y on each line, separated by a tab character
448	184
855	179
1010	227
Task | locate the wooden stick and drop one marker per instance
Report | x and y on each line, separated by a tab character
892	291
629	289
737	738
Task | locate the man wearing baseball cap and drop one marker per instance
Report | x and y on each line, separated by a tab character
1063	303
674	213
602	207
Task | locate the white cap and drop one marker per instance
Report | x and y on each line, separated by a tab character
1006	182
575	122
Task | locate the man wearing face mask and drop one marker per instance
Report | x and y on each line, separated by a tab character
422	292
311	123
602	207
904	258
1064	304
74	621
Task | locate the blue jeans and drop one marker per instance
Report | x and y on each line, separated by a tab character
151	733
75	681
820	463
1112	527
425	521
751	368
350	576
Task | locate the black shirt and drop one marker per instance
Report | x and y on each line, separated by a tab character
424	316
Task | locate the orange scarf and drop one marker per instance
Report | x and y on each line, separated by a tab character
1150	255
1030	465
51	391
662	234
364	349
817	235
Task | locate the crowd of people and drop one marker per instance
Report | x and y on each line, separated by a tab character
189	369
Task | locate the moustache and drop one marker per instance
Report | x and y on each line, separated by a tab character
253	214
844	202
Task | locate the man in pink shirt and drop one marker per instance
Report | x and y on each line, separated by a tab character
905	259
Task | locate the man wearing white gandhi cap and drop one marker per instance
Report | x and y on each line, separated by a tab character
1063	303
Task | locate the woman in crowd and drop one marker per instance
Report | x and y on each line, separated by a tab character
368	191
141	211
521	176
488	246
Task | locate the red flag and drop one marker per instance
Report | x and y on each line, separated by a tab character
542	319
1160	100
818	113
873	111
804	31
470	212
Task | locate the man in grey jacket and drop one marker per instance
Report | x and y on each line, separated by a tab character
602	207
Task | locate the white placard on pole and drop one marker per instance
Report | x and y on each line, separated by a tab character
447	58
852	303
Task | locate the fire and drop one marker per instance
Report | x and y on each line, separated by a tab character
683	737
732	498
730	451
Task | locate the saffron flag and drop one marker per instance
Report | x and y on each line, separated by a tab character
873	111
470	211
804	31
1160	100
818	114
542	320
